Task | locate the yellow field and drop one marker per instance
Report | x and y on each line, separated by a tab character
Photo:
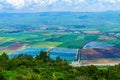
47	44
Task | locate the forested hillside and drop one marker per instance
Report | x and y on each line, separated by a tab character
25	67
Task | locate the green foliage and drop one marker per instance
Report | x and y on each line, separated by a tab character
43	56
58	59
2	76
24	67
3	60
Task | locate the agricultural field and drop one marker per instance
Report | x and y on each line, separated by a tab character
19	31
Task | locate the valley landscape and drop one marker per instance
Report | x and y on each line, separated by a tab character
59	39
97	34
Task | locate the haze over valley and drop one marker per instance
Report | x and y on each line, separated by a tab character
73	30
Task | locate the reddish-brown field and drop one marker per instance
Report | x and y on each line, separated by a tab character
101	56
101	62
97	53
14	46
92	32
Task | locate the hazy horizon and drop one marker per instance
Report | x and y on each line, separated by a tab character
60	11
22	6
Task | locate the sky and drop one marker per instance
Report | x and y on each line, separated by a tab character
58	5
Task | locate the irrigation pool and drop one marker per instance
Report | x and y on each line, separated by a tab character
63	53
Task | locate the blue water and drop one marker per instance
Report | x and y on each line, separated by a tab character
97	45
28	51
63	53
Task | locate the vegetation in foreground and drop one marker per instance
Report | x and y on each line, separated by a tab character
25	67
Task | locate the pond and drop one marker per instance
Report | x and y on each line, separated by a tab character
97	45
63	53
28	51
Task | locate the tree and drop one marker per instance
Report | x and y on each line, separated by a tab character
4	56
3	59
58	59
25	57
2	77
43	56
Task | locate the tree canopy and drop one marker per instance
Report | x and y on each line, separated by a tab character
25	67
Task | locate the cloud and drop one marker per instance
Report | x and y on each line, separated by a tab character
110	1
60	5
1	6
17	4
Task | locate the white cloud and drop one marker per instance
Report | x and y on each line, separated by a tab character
51	1
110	1
1	7
17	4
74	1
79	5
68	1
81	1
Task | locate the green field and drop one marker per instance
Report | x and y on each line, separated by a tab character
54	29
